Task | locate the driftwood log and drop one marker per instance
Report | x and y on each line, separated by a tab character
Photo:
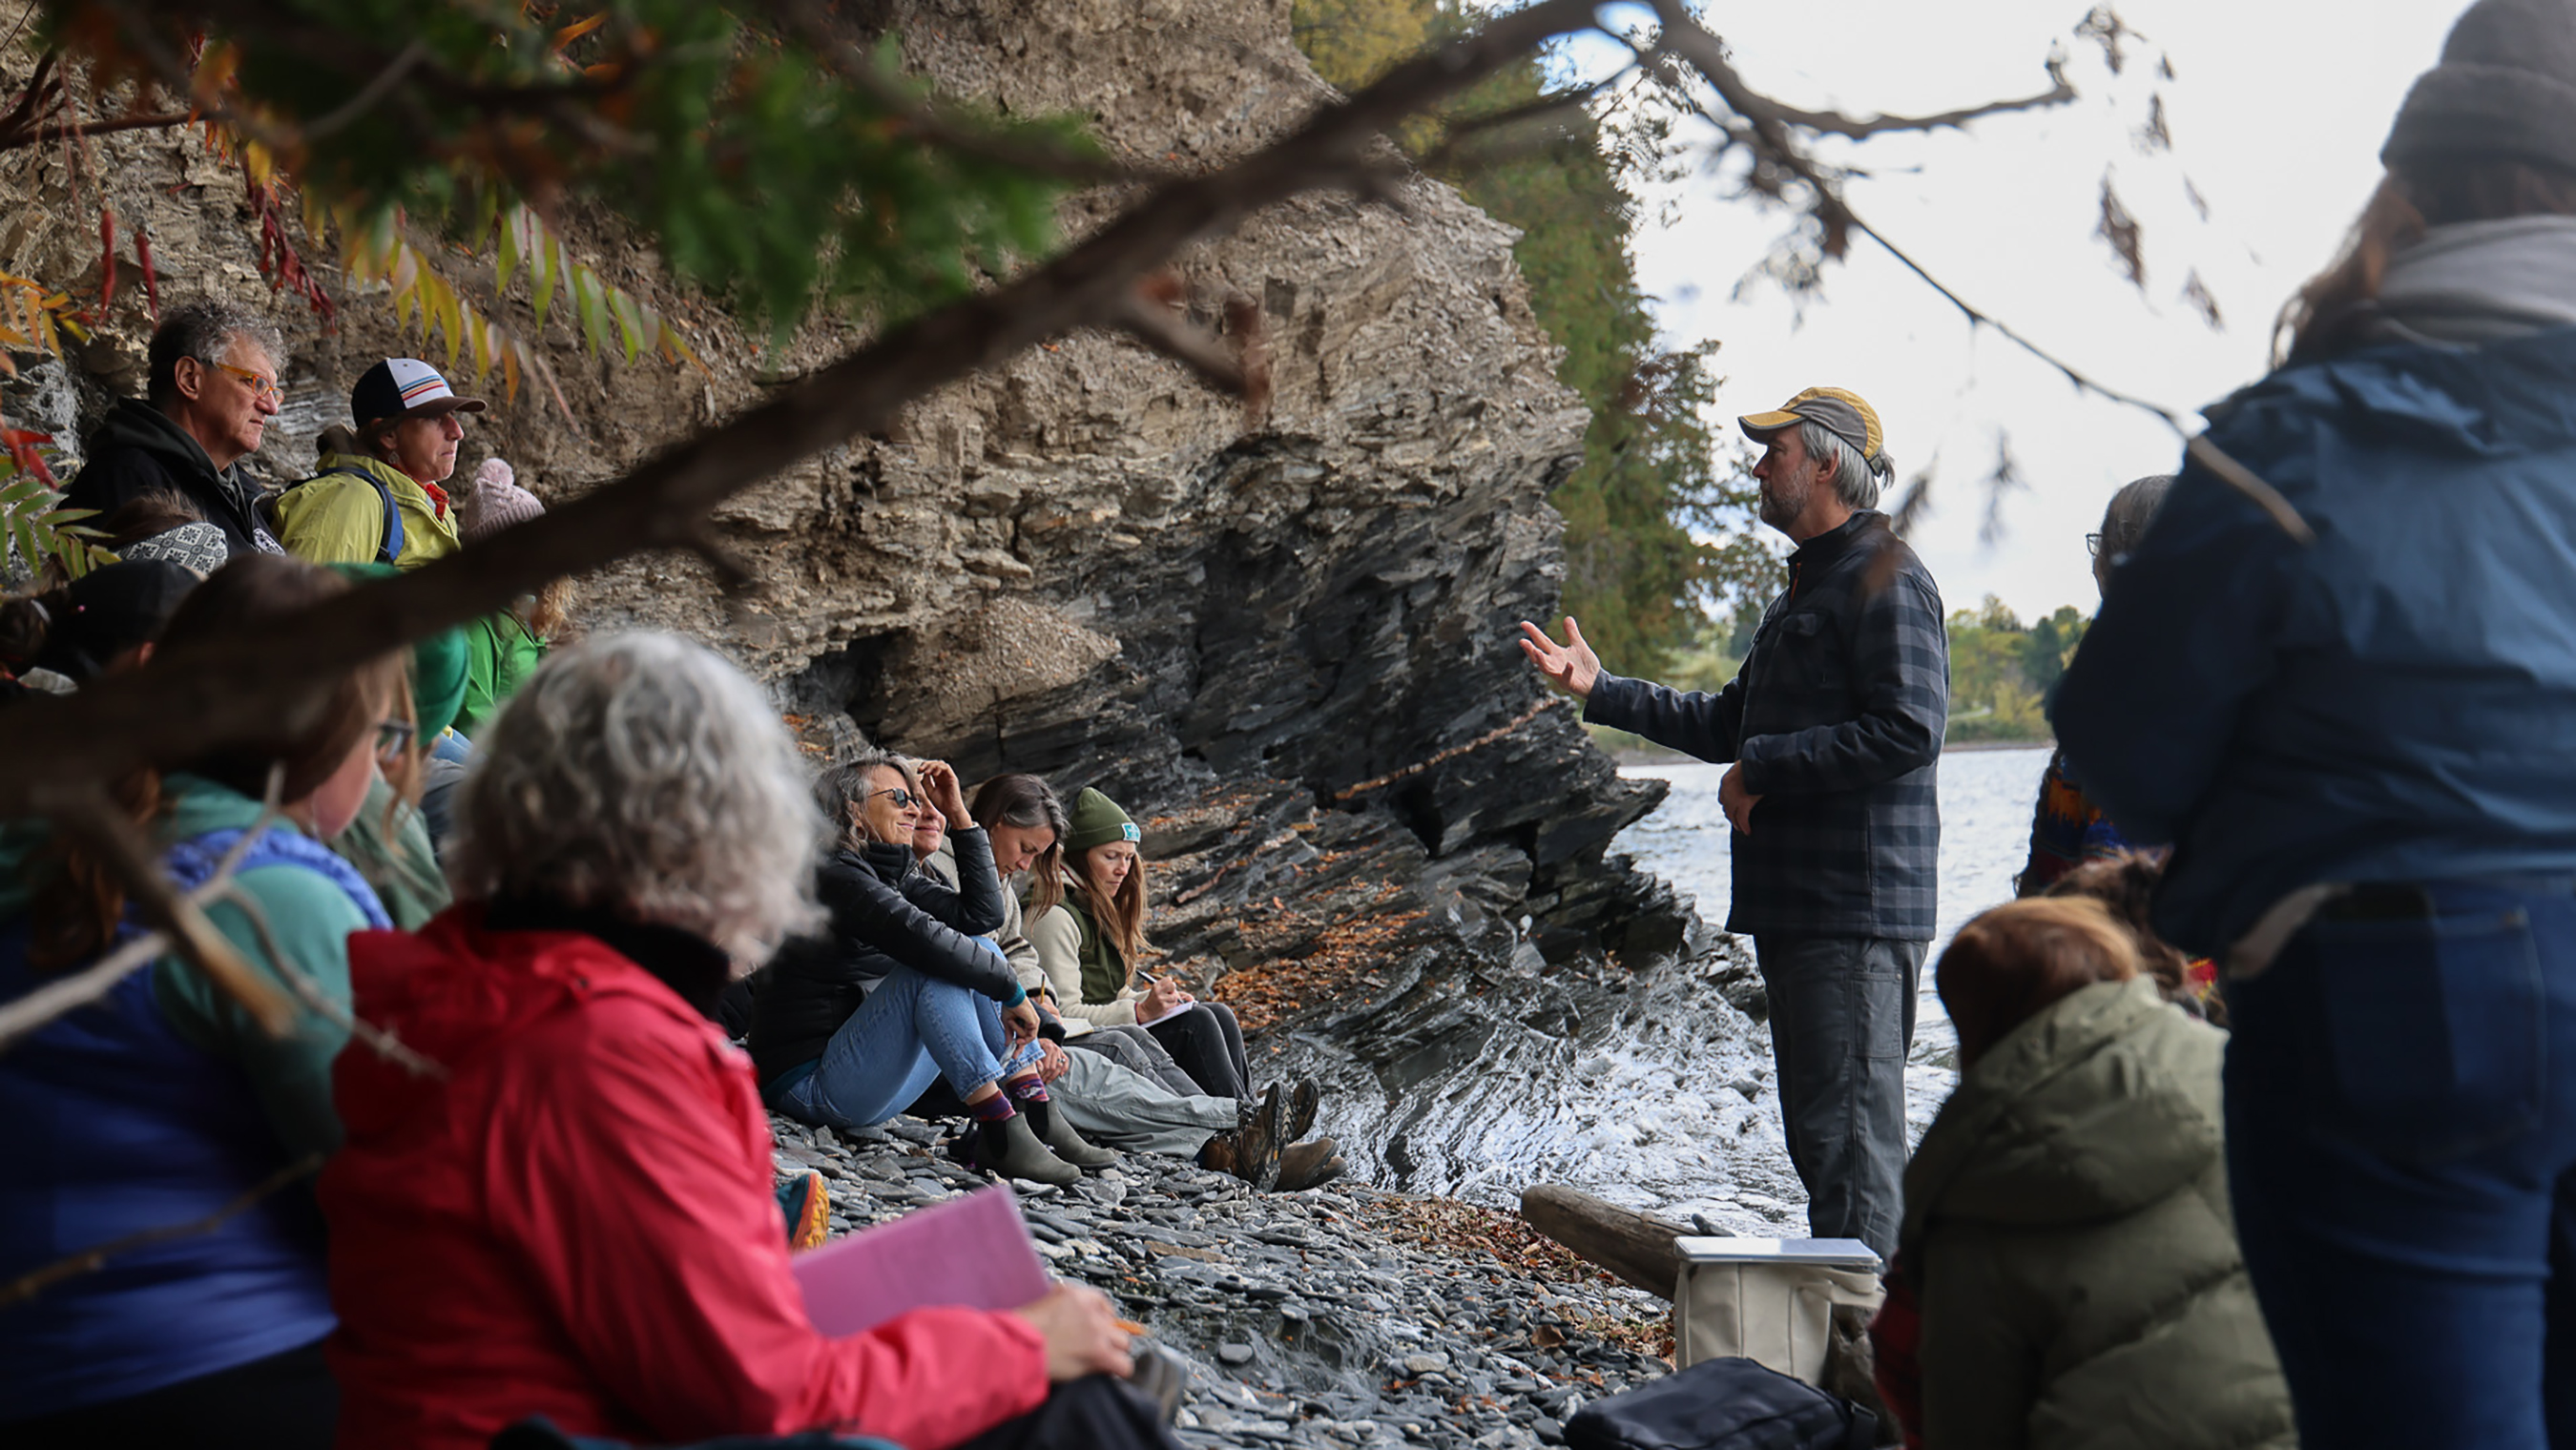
1637	1247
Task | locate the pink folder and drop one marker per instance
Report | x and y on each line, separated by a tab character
972	1251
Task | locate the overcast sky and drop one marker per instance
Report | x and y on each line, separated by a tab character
2277	112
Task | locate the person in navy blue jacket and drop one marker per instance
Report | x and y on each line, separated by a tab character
1833	726
2364	751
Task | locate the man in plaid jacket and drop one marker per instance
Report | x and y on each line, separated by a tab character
1833	727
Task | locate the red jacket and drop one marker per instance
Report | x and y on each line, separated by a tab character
577	1221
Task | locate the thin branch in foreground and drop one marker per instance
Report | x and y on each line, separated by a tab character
65	995
1156	318
384	1043
36	1281
225	691
85	813
1768	136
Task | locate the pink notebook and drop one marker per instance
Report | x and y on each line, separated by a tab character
972	1251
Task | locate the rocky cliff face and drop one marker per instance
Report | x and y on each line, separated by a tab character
1284	642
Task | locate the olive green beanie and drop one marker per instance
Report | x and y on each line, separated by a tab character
438	666
1097	821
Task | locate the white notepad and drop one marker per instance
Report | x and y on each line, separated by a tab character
1834	1253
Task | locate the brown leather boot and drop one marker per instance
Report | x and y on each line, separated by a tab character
1305	1165
1251	1151
1304	1101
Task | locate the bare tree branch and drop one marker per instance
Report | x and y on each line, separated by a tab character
1683	36
28	1285
1769	137
84	812
384	1043
221	692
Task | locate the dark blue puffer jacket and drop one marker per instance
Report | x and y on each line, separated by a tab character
2396	702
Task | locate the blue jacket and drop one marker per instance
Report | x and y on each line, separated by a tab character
2396	702
154	1107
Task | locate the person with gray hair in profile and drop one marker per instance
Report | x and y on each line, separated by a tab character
1831	729
2067	828
572	1215
210	389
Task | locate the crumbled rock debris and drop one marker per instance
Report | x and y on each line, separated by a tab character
1343	1316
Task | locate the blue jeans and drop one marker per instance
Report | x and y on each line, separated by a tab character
911	1029
2401	1141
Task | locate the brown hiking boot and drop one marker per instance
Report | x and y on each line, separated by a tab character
1251	1151
1309	1164
1304	1101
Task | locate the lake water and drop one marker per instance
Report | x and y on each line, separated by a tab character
1986	800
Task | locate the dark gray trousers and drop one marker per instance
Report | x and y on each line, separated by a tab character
1842	1017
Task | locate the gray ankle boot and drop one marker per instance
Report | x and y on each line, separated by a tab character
1047	1121
1008	1147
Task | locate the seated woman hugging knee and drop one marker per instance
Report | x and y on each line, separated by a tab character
856	1021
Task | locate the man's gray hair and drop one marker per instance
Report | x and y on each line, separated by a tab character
843	784
204	330
2134	507
1857	481
644	775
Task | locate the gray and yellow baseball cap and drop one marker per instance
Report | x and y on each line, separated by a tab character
1841	411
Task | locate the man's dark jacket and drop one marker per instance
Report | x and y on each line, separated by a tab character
1836	718
885	913
138	449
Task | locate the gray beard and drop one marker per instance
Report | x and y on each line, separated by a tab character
1780	509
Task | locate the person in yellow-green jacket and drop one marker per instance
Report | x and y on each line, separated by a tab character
378	498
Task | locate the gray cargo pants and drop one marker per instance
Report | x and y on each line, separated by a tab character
1842	1018
1118	1108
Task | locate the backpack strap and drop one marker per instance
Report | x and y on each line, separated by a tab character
193	862
390	550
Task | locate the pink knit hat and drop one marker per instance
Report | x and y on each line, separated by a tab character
497	502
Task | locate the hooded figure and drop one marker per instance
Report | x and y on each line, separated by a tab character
2067	1237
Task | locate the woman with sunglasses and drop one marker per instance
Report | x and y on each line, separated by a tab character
854	1024
165	1101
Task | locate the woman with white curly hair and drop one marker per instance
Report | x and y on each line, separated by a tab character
573	1218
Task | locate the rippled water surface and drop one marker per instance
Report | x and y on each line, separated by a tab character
1647	1086
1986	798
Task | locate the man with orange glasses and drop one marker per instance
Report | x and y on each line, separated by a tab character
211	389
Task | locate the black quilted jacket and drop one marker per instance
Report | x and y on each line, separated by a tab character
886	912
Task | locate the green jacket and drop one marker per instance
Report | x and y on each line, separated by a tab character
1085	972
2067	1230
499	654
397	860
311	920
339	518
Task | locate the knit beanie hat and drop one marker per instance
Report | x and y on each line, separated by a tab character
497	502
1097	821
438	666
110	610
2505	90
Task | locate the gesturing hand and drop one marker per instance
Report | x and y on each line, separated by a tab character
1571	666
1735	800
939	782
1081	1332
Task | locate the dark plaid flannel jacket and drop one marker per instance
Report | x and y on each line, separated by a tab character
1837	717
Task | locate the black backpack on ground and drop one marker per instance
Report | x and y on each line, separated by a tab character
1722	1404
